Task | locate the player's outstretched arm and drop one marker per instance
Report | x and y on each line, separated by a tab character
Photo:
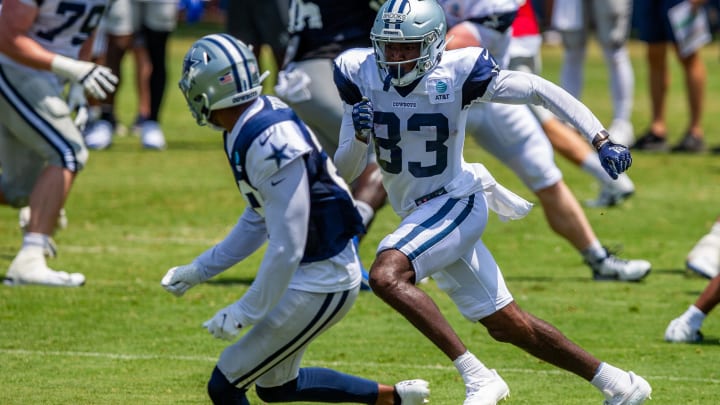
513	87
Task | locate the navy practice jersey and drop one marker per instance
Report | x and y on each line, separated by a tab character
269	137
325	28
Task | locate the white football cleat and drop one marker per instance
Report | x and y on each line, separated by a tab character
29	267
486	392
680	331
622	132
613	193
413	392
98	135
640	391
615	268
151	135
704	258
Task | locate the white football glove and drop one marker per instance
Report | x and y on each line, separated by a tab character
97	80
225	324
179	279
77	102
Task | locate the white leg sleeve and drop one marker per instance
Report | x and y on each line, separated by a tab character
622	81
571	75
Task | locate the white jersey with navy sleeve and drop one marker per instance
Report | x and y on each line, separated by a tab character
419	134
420	128
62	26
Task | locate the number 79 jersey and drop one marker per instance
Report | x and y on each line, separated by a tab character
419	128
62	26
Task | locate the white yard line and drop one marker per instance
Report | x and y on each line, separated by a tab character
207	359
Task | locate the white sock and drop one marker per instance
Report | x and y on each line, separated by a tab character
366	211
592	165
610	380
594	252
34	239
694	317
471	369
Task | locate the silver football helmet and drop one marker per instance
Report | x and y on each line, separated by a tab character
409	21
219	71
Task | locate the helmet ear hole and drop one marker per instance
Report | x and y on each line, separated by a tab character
205	106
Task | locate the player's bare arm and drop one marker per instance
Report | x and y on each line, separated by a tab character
15	20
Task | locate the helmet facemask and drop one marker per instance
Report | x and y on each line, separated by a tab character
402	76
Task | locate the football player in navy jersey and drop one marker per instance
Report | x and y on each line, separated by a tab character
309	277
412	99
319	31
41	148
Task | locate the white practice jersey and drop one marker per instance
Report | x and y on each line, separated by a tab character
420	128
62	26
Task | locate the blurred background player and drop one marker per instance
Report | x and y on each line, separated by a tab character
145	26
525	55
610	20
41	149
319	31
512	134
258	23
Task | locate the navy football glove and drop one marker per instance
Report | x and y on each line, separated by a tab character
614	158
362	116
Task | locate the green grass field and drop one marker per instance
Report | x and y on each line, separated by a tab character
133	214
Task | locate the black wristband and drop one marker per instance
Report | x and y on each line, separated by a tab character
396	398
600	139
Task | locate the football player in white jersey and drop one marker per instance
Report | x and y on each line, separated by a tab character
610	19
309	277
513	135
41	149
412	97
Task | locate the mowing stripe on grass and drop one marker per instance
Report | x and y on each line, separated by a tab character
207	359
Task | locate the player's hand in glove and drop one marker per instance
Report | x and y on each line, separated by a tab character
225	324
362	116
614	158
97	80
77	102
179	279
